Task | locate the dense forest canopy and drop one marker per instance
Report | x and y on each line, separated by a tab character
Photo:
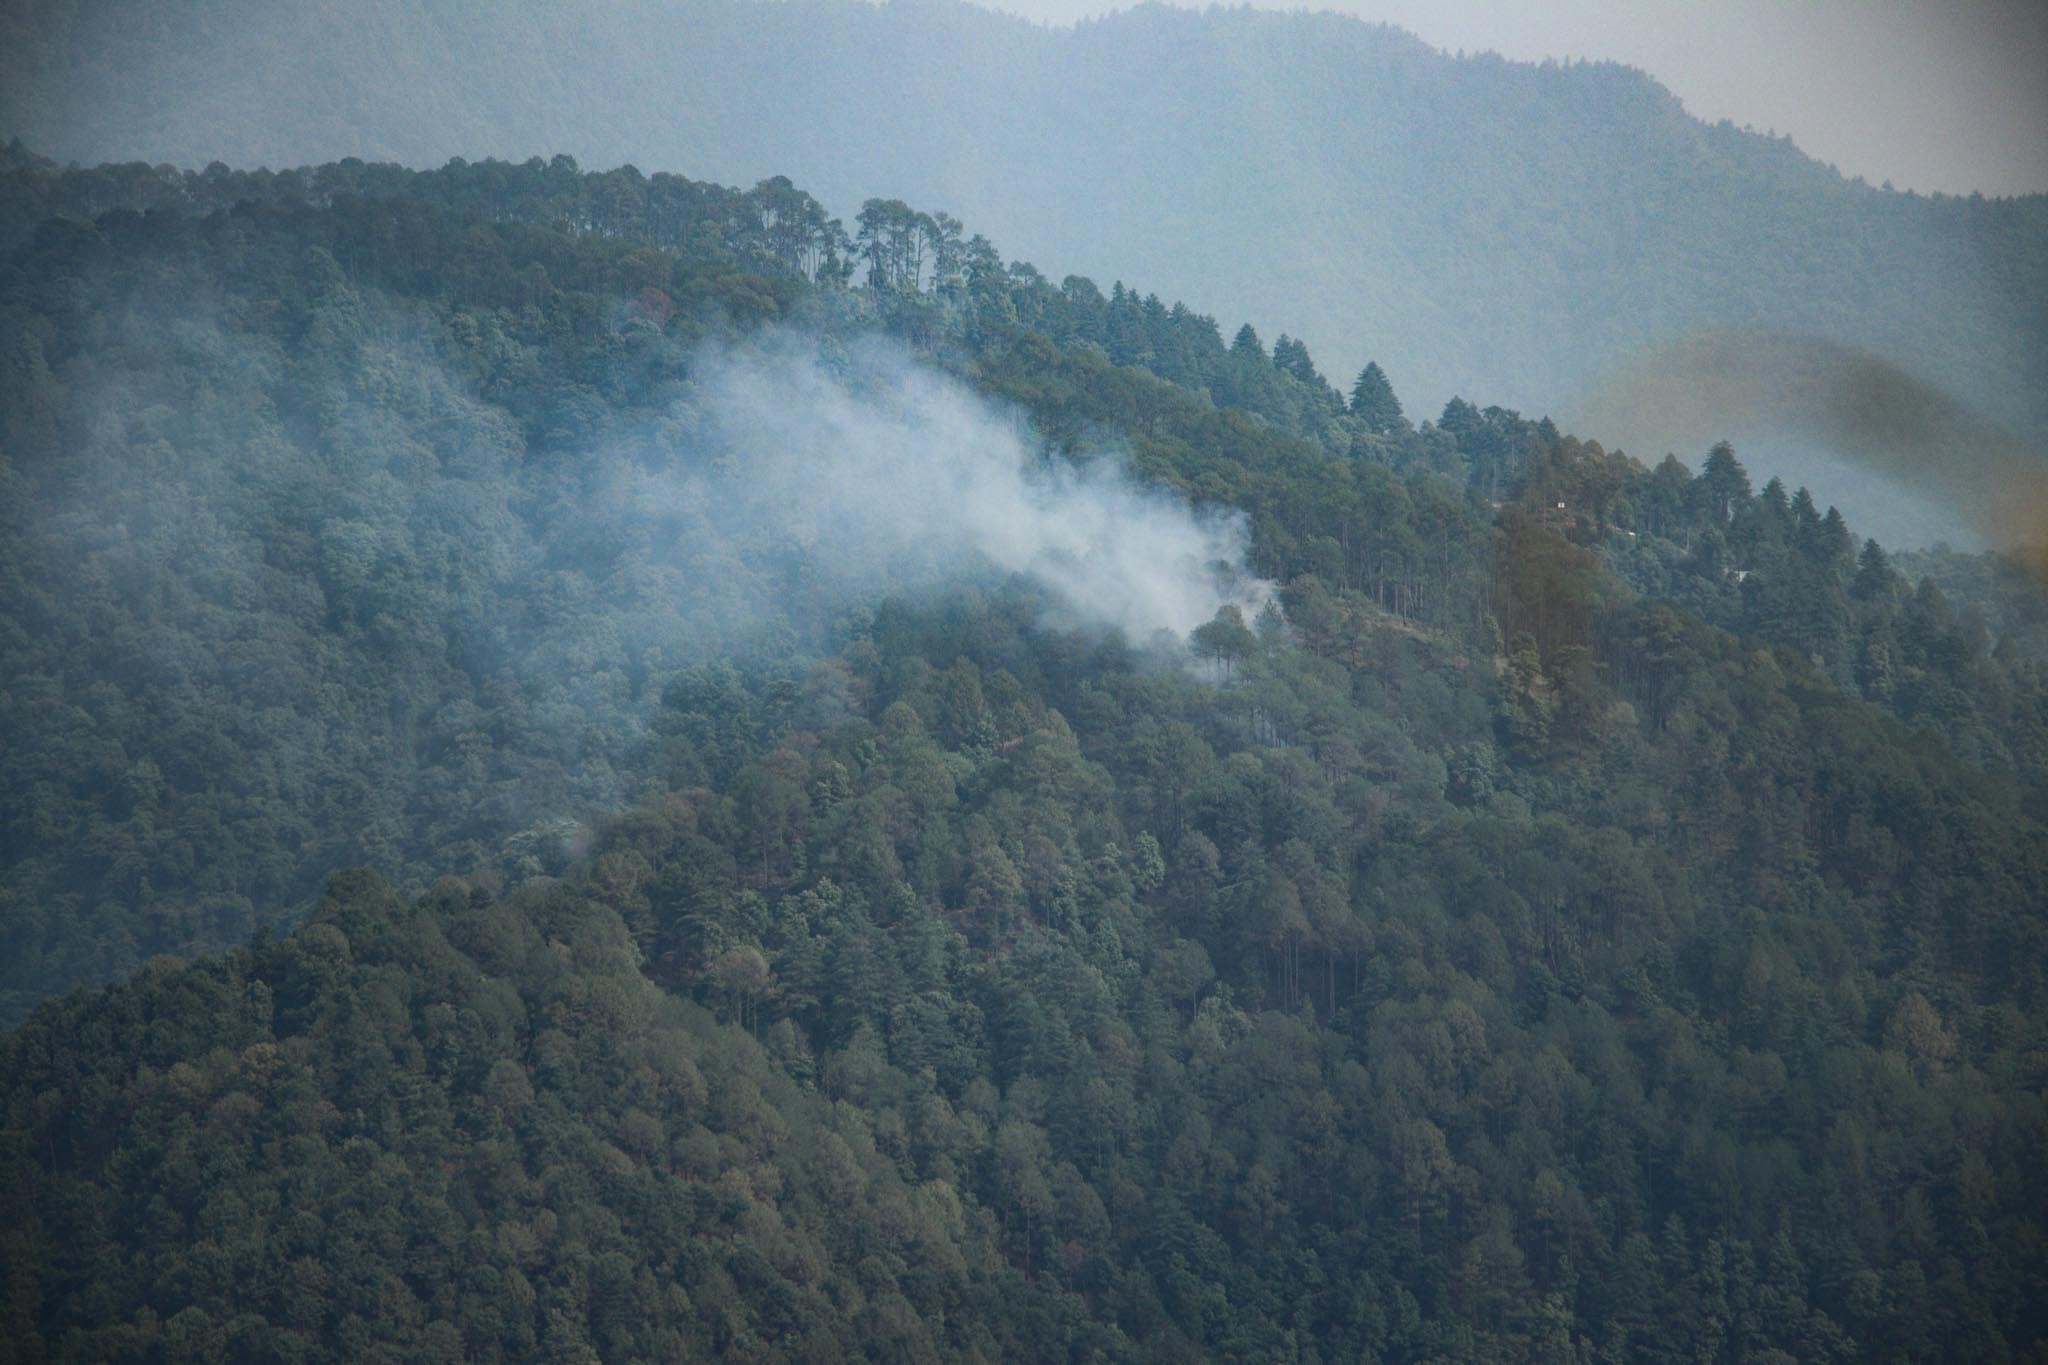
1591	912
1478	226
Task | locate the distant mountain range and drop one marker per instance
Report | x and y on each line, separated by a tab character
1510	232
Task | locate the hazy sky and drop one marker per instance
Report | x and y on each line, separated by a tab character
1929	94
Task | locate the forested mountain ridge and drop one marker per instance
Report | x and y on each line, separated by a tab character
1455	216
489	731
1484	956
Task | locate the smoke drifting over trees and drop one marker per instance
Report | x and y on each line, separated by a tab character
881	472
416	572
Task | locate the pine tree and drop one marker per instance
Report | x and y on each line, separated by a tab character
1874	578
1723	484
1831	543
1805	515
1373	401
1459	417
1290	356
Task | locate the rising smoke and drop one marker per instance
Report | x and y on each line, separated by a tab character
874	474
422	631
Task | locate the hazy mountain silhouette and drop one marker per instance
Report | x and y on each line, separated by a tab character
1507	231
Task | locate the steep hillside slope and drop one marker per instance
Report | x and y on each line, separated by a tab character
1481	952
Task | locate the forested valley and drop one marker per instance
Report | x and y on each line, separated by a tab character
456	909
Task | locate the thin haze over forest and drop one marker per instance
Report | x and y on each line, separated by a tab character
1512	233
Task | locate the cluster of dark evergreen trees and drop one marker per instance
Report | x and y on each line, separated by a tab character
1598	918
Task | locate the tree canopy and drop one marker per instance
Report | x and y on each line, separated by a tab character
1594	913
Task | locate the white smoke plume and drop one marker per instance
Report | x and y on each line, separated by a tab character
886	475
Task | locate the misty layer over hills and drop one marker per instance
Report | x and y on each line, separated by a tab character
1508	232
